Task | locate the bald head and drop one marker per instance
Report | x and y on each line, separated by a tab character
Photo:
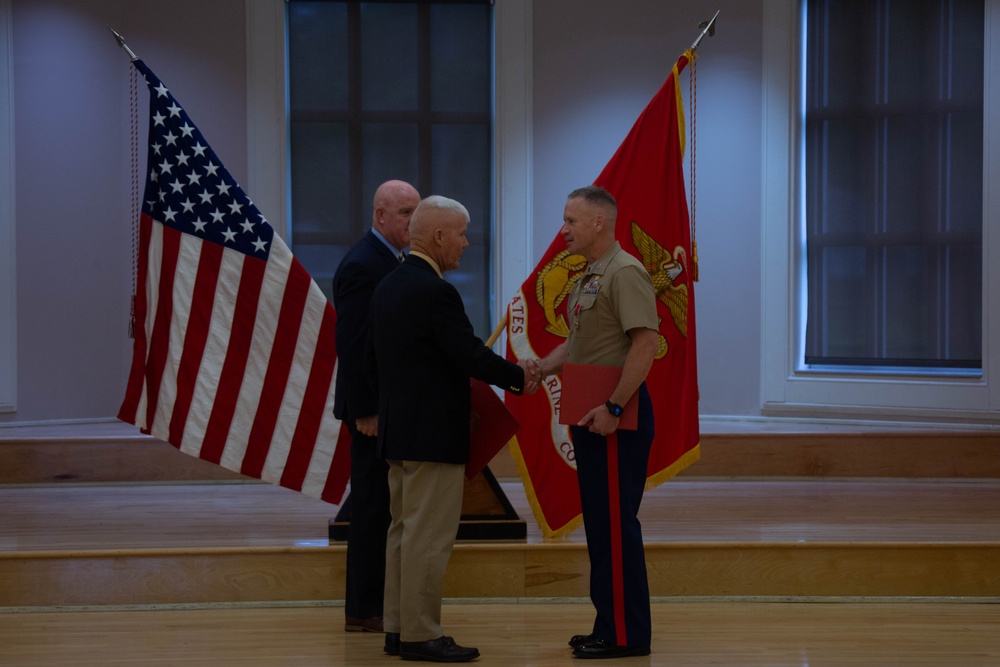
437	229
393	205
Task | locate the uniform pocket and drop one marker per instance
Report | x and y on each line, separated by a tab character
585	319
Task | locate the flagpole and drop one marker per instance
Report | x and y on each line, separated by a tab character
707	27
121	43
496	332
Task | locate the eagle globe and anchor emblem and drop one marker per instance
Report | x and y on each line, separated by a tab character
558	277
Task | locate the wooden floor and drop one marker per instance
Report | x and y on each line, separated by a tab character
732	634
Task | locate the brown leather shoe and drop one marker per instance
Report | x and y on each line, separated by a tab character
373	624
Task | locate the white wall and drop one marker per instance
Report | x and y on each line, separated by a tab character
72	177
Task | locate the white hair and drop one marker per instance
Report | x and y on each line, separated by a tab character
442	203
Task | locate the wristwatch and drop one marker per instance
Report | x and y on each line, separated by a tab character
615	409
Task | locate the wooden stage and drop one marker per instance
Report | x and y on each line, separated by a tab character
892	537
200	543
110	518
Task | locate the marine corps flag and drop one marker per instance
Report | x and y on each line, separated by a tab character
646	177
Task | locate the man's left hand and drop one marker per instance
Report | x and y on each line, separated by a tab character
367	425
600	421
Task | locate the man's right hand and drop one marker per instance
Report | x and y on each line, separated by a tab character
532	374
367	425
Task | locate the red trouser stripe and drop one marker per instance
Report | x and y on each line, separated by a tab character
617	575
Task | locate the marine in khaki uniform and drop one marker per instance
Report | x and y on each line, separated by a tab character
613	322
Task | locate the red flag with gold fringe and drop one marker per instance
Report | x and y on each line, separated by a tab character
646	177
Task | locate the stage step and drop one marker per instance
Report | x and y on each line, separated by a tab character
149	544
117	452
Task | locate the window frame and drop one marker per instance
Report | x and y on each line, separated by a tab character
789	388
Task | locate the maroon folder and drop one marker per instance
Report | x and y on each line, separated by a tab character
492	427
584	387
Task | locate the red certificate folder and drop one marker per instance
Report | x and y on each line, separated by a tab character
492	427
584	387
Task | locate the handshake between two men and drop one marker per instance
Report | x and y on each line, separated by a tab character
533	375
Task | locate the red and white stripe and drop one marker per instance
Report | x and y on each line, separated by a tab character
234	361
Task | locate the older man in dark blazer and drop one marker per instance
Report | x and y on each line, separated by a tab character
423	350
370	260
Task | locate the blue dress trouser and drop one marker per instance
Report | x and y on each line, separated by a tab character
612	475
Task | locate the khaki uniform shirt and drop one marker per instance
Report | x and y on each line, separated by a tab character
614	294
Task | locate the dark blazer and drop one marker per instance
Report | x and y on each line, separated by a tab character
422	352
362	269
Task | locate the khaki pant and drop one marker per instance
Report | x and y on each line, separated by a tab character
425	500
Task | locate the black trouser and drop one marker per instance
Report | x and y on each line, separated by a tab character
369	517
618	585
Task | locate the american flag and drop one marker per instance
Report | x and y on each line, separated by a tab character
234	353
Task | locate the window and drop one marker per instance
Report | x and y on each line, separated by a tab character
790	387
894	183
383	90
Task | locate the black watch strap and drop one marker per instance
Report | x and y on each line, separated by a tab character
615	409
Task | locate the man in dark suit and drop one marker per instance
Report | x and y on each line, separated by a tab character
370	260
423	350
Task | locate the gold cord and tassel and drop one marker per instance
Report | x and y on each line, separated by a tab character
692	101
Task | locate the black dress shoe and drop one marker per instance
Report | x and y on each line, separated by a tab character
602	648
579	640
392	643
442	649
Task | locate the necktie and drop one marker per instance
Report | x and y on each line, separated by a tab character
401	256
